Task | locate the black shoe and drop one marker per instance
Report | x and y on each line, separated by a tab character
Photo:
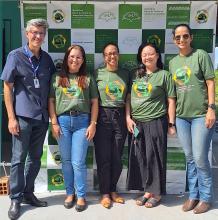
80	208
32	200
69	205
14	210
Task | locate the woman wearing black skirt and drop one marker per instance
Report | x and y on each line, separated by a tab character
150	114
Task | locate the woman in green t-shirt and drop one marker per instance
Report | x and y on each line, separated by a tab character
73	98
149	118
193	74
111	131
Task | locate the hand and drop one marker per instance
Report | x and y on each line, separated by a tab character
56	131
90	132
13	127
210	118
130	125
171	130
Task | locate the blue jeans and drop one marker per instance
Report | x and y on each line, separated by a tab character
195	139
73	148
27	150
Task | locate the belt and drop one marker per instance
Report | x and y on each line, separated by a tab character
72	113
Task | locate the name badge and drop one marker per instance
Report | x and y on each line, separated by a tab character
36	83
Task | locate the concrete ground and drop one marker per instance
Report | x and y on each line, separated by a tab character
169	209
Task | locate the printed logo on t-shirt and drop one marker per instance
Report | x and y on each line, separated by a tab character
74	90
142	89
114	90
182	76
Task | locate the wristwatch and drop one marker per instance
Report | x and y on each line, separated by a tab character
212	106
171	125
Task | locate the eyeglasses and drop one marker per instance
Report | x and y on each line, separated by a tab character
36	33
111	54
184	36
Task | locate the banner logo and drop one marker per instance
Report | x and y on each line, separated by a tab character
59	41
131	16
58	64
154	39
201	16
57	179
58	16
107	16
56	157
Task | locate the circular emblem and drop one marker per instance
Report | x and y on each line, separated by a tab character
114	90
57	179
58	64
59	41
201	16
154	39
73	91
58	16
142	89
182	75
56	157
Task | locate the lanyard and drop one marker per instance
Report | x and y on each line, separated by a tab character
32	66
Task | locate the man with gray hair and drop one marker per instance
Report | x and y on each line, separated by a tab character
26	77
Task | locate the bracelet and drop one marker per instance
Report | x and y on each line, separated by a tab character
54	123
94	122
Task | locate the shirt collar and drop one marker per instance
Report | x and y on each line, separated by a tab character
30	52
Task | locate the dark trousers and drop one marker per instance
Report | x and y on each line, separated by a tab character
109	142
147	157
27	150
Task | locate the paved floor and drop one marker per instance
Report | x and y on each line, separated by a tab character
169	209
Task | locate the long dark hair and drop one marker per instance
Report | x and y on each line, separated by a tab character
141	71
82	74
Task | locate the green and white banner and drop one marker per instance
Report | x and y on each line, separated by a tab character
92	24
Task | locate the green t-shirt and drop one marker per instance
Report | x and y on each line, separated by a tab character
189	74
149	95
112	87
74	97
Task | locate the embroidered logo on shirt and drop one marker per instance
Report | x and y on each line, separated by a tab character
142	89
74	90
182	76
114	90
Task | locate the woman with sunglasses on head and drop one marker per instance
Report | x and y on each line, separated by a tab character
111	131
193	74
73	109
150	114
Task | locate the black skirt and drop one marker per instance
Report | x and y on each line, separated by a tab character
147	157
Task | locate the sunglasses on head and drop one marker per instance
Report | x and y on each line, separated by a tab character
184	36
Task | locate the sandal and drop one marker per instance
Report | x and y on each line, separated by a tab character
106	201
116	198
152	202
141	200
